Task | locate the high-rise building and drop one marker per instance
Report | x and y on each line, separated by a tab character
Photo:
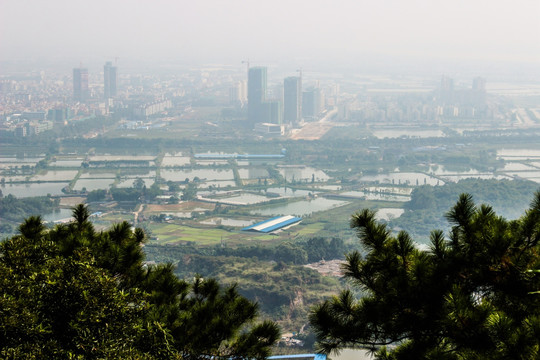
59	114
272	112
479	84
292	100
109	75
243	91
80	84
478	93
447	90
312	103
256	94
237	93
234	95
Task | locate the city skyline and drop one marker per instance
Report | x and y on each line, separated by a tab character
239	141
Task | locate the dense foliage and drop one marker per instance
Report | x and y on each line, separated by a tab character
72	292
17	209
135	193
299	252
470	296
283	291
283	288
428	203
96	195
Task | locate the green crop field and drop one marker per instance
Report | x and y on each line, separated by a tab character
176	233
171	233
310	229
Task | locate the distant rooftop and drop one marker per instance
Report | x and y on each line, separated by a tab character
299	357
273	224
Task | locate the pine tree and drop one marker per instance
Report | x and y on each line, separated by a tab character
74	292
470	296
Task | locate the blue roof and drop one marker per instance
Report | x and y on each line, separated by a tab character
273	224
260	223
281	225
298	356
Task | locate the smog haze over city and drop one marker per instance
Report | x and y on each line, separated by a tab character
242	135
375	34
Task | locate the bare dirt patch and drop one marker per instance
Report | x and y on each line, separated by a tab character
183	206
327	268
312	131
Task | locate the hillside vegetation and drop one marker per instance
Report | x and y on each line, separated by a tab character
425	211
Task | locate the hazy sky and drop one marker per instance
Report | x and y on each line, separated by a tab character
212	31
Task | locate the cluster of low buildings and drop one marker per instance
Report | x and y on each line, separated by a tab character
31	103
34	102
445	103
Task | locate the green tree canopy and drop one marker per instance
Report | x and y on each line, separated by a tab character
470	296
72	292
189	192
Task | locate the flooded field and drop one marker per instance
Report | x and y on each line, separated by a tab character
53	175
518	154
389	190
15	178
4	159
377	196
216	184
326	187
253	173
170	161
441	170
203	174
303	173
33	189
395	186
211	162
300	208
98	175
456	178
92	184
403	178
62	214
127	183
288	192
243	198
260	162
121	158
20	161
66	163
514	166
139	173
